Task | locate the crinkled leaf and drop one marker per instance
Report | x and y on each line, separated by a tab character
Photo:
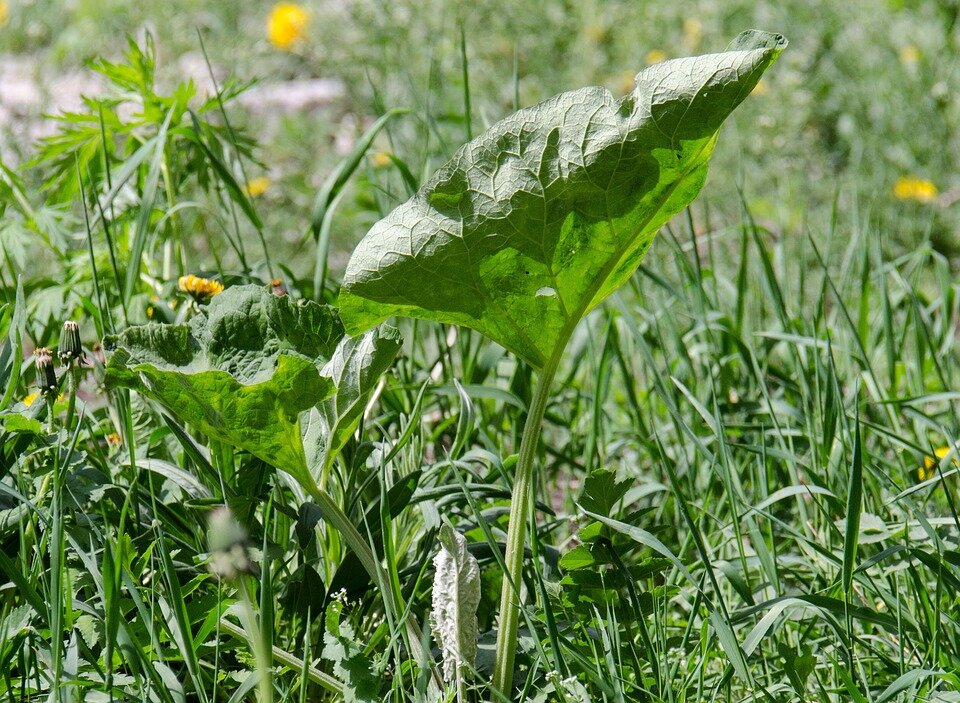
355	368
537	220
350	664
242	372
456	595
262	418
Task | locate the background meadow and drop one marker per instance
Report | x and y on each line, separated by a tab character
782	364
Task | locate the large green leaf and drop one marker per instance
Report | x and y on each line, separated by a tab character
536	221
355	368
242	371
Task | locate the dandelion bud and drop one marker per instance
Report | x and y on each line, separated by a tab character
227	542
278	288
46	376
70	348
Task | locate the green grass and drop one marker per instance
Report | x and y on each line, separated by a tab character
769	384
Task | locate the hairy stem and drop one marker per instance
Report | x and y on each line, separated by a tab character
517	531
56	558
254	635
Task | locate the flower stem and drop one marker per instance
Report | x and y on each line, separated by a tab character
74	374
55	546
255	636
517	530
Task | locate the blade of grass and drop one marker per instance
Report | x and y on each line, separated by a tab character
147	199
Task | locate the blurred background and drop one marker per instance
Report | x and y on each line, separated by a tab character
856	123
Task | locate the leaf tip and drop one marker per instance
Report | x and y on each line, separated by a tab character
753	39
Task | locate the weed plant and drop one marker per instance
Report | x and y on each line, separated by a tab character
747	464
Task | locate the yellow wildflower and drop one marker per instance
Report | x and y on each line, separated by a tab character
919	189
113	439
201	289
4	12
930	463
287	25
258	186
909	55
692	32
656	56
380	159
32	398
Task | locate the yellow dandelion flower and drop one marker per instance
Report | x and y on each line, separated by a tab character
919	189
113	439
287	25
692	32
258	186
201	289
909	55
32	398
656	56
930	463
380	159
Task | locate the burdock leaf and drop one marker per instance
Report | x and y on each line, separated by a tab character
241	372
533	223
355	368
456	595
